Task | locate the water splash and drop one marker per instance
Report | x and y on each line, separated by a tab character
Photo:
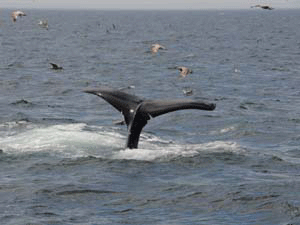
70	140
81	140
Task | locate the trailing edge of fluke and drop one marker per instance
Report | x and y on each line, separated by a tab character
138	111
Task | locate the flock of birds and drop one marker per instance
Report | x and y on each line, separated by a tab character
18	13
184	71
155	48
43	23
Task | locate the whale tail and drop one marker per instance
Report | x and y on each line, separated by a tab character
138	111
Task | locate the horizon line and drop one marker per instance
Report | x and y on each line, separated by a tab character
145	9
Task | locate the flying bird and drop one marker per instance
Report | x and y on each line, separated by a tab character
16	14
262	7
55	66
156	47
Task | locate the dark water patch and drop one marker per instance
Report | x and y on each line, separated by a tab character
23	102
86	191
295	120
252	105
38	207
255	198
46	214
41	167
196	161
8	84
124	211
191	196
89	160
281	69
294	152
231	158
206	159
58	120
44	191
276	159
8	157
271	165
15	65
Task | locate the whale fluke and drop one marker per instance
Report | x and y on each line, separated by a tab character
138	111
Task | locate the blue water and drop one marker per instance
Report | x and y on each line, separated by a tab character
63	159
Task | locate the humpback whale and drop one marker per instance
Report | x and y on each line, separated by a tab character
138	111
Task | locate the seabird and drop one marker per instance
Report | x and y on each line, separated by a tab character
184	71
56	67
43	23
188	91
263	7
16	14
156	47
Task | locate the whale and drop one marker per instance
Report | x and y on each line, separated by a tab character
137	111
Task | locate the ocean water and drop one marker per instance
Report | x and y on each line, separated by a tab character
63	160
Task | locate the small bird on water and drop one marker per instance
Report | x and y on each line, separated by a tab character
16	14
55	66
184	71
43	24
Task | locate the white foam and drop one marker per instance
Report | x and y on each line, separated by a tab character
222	146
170	151
225	130
81	140
71	140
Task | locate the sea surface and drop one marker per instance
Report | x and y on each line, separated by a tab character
63	159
